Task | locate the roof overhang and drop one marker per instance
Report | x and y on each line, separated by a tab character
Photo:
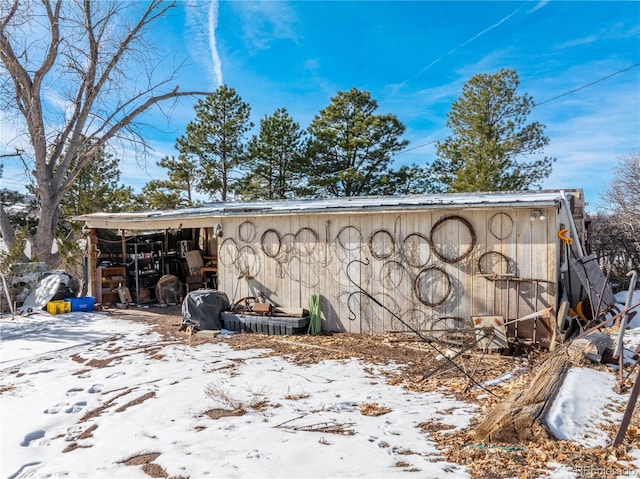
208	215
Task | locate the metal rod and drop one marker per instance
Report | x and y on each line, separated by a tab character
623	324
572	224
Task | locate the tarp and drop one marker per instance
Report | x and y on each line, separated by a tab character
202	307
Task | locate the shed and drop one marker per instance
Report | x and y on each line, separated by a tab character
382	264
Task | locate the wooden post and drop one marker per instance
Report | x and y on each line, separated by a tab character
123	240
562	312
626	418
92	248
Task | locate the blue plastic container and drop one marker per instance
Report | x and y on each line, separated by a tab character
85	303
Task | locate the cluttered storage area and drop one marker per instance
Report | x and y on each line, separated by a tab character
146	267
442	265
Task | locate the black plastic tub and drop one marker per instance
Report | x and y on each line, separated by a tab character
272	325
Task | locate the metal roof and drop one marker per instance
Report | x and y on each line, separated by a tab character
206	215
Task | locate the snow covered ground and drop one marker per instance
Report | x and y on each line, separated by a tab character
88	396
67	381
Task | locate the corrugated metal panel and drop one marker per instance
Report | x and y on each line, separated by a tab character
207	215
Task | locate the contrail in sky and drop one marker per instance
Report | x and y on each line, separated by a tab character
215	58
453	50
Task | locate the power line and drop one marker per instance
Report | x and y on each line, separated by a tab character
422	145
537	104
588	84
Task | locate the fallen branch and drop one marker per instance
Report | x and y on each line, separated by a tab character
329	427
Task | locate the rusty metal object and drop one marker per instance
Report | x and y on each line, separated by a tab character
264	309
440	254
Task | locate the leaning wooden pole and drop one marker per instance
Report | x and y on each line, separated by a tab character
626	418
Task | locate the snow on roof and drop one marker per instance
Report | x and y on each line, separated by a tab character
193	217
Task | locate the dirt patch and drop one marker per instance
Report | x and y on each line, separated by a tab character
218	413
137	401
432	426
296	397
96	412
148	466
419	367
103	363
87	433
77	358
6	389
154	470
141	459
74	445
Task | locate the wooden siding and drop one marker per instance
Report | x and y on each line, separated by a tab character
423	266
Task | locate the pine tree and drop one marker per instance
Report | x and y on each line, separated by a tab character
216	140
277	164
174	192
351	145
407	180
489	137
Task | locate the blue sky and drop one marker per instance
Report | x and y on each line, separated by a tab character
414	57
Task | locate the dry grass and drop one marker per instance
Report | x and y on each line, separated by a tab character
257	402
373	409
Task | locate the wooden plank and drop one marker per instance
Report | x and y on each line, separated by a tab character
266	245
346	248
524	260
401	269
309	252
227	273
356	250
557	326
335	257
368	225
549	294
500	231
509	249
328	288
483	300
279	253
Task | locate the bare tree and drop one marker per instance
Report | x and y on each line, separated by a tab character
615	233
623	194
77	75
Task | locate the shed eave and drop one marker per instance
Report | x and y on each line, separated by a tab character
207	215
